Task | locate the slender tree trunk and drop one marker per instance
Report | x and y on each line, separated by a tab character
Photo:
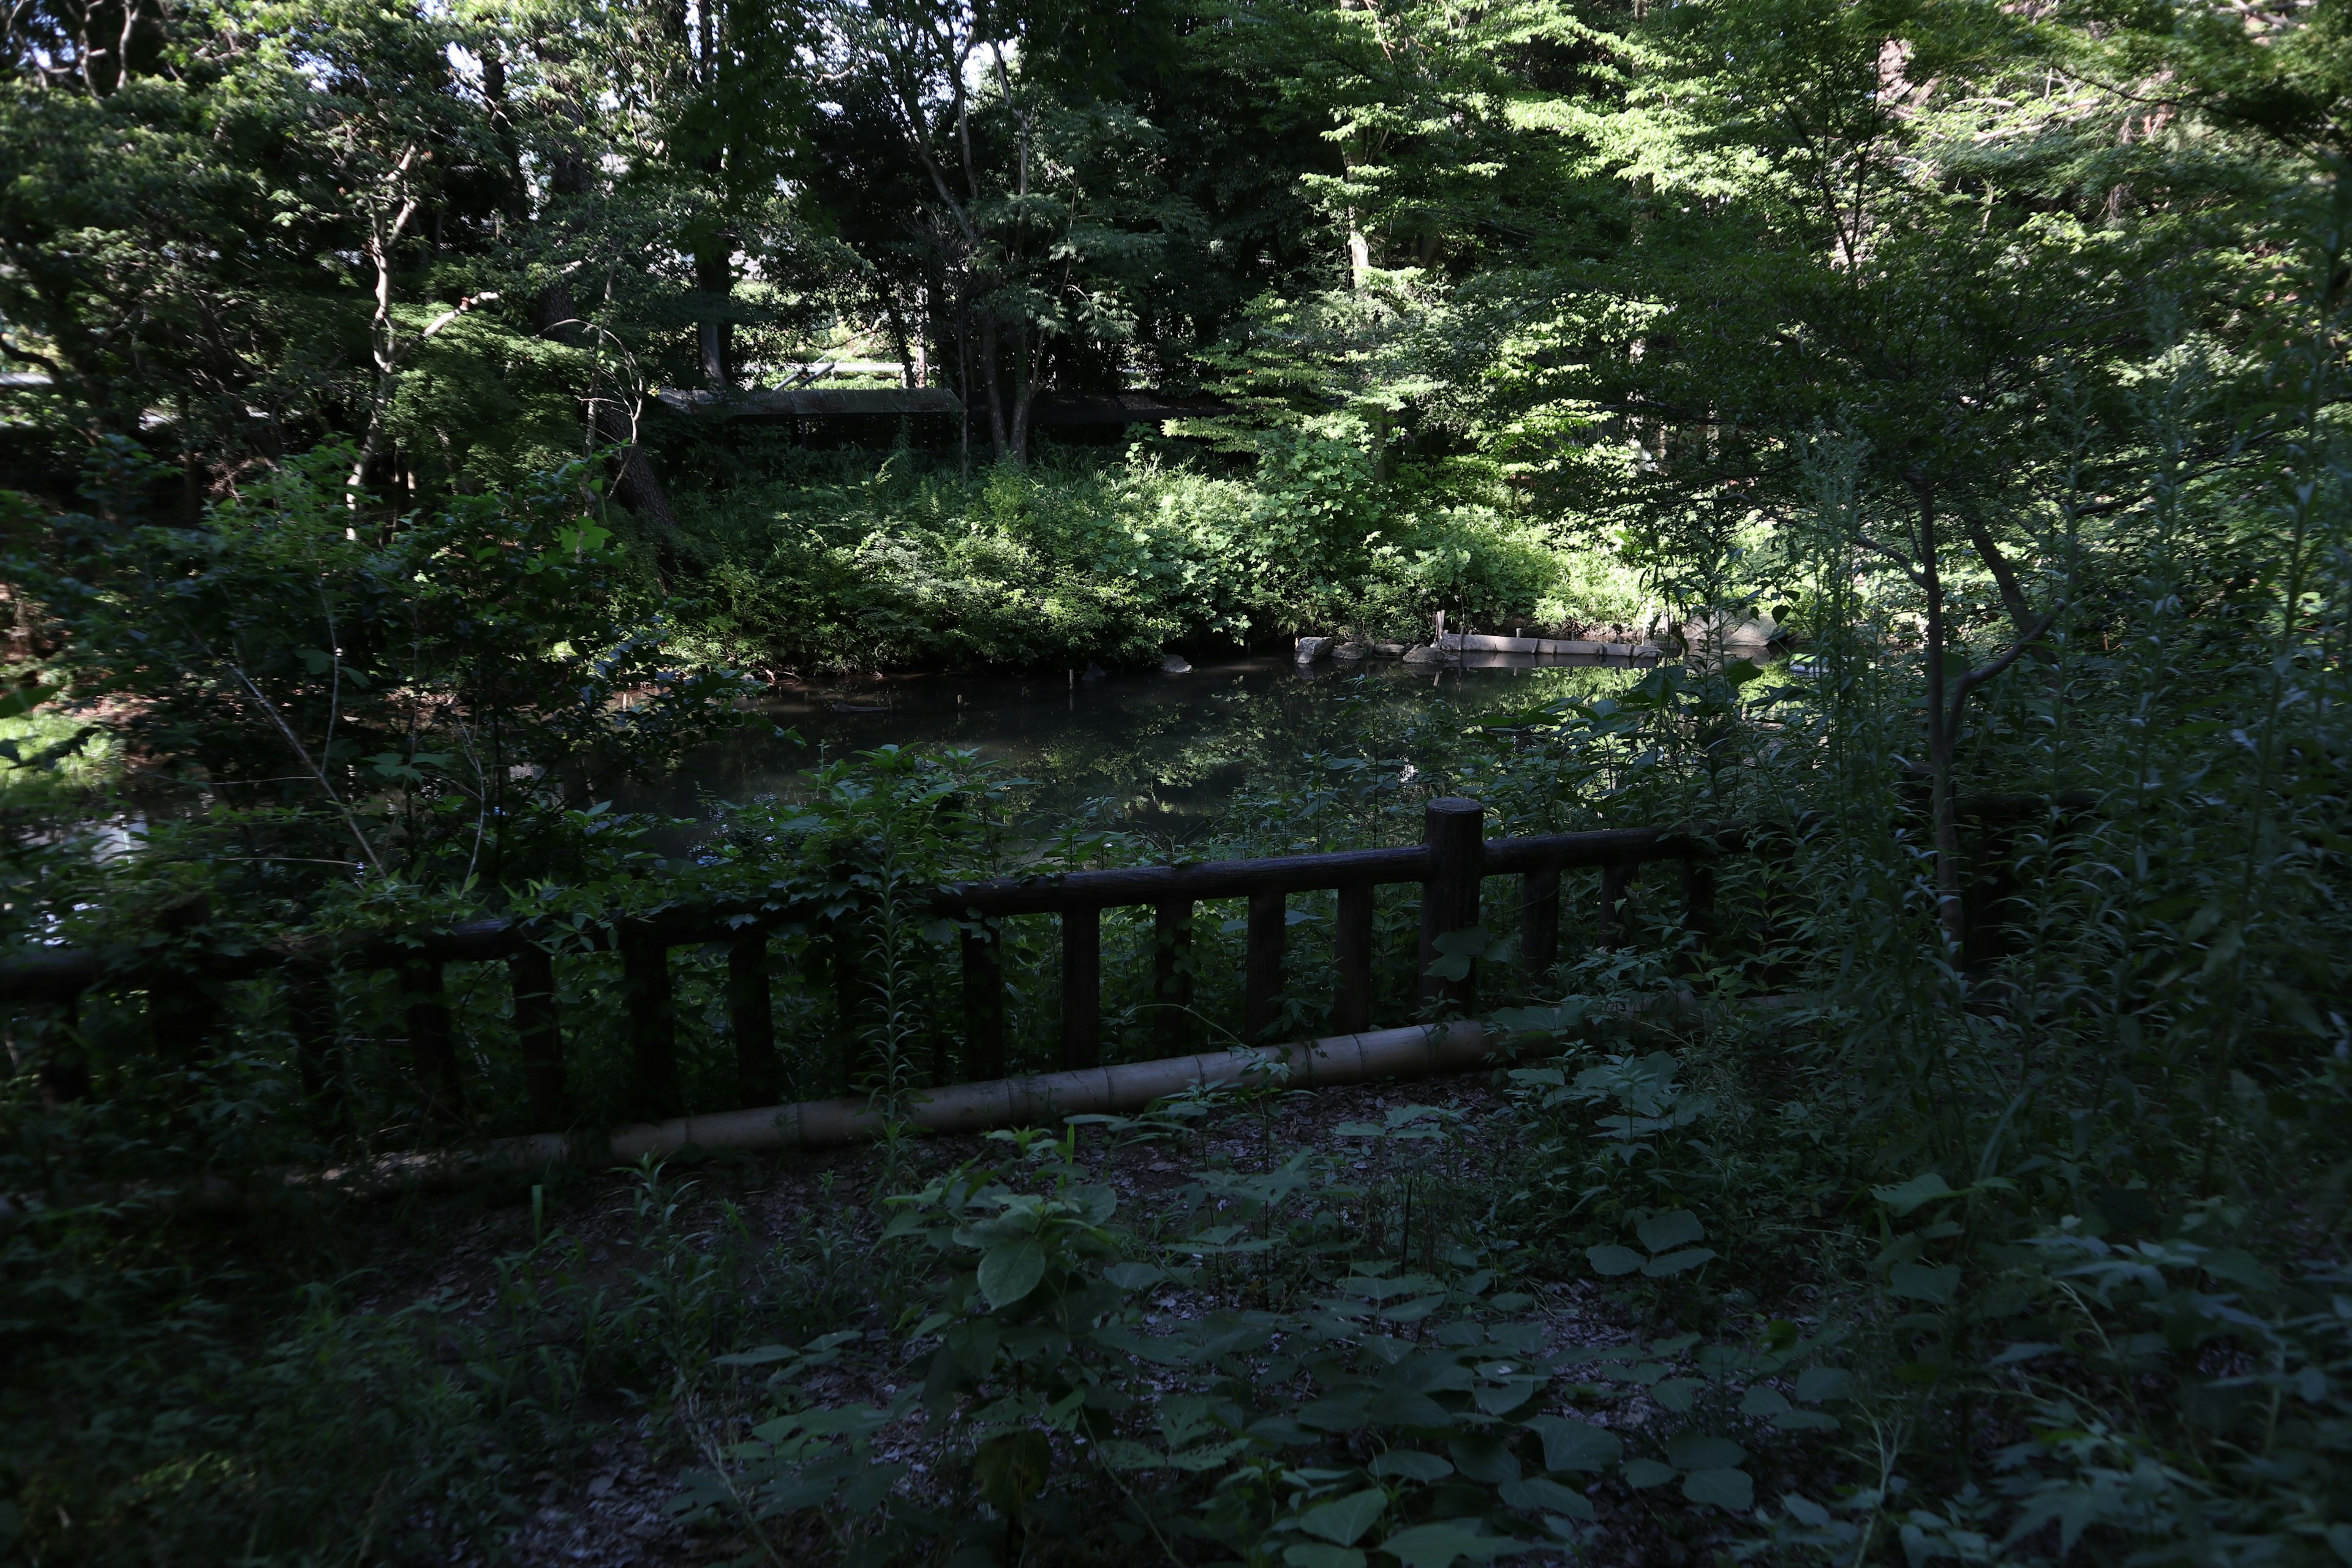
1025	394
899	344
995	389
1943	739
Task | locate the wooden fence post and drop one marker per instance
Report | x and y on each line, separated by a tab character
1352	954
530	971
1698	905
652	1008
1539	922
65	1067
751	1020
432	1045
311	1014
841	958
1615	877
1172	973
183	1012
983	1003
1081	987
1262	979
1454	830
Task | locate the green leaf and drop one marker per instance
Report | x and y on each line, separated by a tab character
1134	1276
24	699
1126	1454
1918	1282
1484	1458
1310	1554
1208	1456
1610	1258
1665	1232
1923	1188
1676	1392
1403	1407
1538	1494
1816	1384
1343	1520
1411	1465
973	1344
2235	1265
1342	1411
1572	1445
1441	1545
1804	1421
1677	1262
1691	1451
1643	1474
1723	1487
1760	1401
1009	1270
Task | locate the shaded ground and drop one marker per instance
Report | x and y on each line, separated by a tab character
613	1504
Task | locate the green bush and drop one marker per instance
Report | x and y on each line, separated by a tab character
831	561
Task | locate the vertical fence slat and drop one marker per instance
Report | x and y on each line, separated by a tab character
1539	922
1262	980
841	959
530	971
56	1036
1698	902
1172	973
652	1010
310	1017
1455	829
983	1003
1081	987
1615	877
1351	945
751	1020
432	1043
184	1011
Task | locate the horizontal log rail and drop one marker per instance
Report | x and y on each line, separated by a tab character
1450	863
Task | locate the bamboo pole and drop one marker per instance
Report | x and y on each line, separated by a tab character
1041	1100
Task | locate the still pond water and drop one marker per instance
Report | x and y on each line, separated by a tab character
1151	751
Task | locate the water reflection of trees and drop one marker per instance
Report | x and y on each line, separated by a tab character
1167	764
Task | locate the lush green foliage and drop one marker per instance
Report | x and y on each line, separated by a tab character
1963	1184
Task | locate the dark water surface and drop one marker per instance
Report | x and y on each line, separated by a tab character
1141	749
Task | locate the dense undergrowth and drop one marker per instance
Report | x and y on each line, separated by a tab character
2011	1256
1967	1184
815	561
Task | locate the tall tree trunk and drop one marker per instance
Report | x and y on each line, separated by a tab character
714	275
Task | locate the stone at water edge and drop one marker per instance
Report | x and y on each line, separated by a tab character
1312	649
1425	654
1094	672
1389	649
1173	664
1349	652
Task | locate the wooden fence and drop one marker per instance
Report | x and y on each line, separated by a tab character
1450	863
